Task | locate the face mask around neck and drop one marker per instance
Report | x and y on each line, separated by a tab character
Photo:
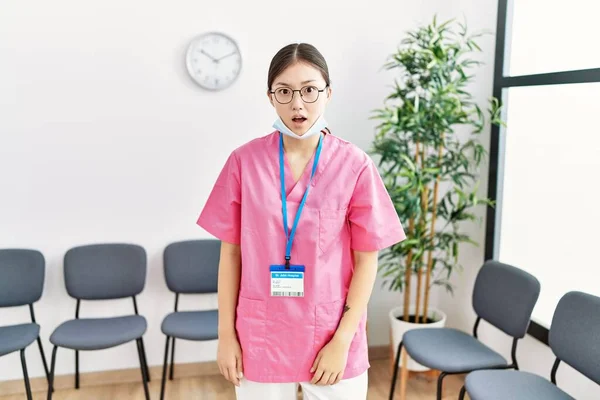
315	129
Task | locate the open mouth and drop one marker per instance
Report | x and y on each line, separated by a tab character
299	120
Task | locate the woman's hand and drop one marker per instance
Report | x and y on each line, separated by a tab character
330	363
229	358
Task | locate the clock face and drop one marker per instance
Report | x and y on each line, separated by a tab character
214	60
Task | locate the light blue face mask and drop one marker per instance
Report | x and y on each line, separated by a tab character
315	129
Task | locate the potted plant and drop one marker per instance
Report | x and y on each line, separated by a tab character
428	151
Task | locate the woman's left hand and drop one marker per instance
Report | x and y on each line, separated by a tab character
330	363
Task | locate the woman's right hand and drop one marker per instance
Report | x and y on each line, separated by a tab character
229	358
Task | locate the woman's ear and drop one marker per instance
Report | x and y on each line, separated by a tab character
328	93
270	97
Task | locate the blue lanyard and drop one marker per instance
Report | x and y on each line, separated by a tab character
290	236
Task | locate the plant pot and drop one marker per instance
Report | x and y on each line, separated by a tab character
399	327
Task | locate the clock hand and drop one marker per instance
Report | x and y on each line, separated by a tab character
228	55
208	55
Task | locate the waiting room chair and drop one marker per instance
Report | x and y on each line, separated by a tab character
504	296
22	273
574	338
191	267
101	272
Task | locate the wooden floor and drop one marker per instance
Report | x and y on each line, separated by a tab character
217	388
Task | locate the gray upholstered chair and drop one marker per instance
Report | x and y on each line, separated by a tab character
101	272
504	296
190	267
574	338
22	274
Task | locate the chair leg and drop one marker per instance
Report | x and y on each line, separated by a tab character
39	341
172	359
143	368
25	375
439	385
51	381
164	373
395	375
463	391
145	359
76	369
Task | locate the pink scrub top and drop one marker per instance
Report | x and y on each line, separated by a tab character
347	208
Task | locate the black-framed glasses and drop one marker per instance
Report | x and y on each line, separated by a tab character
309	94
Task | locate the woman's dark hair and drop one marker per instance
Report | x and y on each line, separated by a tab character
297	52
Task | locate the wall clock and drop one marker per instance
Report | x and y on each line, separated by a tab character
214	60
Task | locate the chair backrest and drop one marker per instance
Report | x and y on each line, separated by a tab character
22	274
505	296
192	266
575	333
105	271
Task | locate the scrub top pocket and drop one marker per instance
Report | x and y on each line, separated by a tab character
251	320
327	319
331	227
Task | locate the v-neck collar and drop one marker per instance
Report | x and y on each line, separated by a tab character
295	190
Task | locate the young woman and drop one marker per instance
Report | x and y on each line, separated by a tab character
301	215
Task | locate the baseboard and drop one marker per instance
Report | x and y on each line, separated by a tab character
131	375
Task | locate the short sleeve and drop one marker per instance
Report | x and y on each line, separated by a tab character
374	223
221	215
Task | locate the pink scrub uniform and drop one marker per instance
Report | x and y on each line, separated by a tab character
347	208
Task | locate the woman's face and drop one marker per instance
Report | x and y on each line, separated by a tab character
299	115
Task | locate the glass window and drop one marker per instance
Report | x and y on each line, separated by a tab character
550	36
549	214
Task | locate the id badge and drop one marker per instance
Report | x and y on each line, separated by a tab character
287	282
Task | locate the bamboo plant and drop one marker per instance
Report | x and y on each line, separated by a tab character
427	143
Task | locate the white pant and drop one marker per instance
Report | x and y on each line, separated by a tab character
347	389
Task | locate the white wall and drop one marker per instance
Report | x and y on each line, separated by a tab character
104	137
532	355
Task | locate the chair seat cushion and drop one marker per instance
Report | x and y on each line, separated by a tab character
192	325
17	337
513	385
450	350
98	333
